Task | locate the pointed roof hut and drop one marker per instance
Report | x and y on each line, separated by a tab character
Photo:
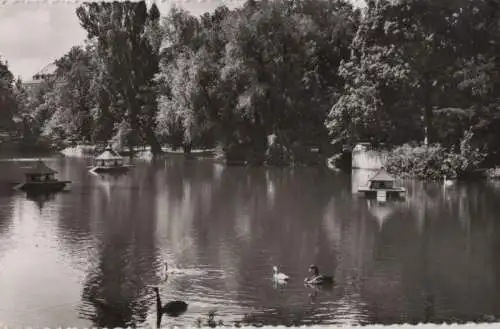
109	154
382	185
40	168
382	176
41	178
381	180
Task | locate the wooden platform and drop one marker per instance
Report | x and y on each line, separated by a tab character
46	186
383	194
115	169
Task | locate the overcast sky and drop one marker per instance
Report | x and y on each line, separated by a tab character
35	33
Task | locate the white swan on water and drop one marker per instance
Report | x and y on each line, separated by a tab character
164	272
447	182
278	276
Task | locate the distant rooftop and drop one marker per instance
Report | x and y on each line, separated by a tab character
46	72
49	69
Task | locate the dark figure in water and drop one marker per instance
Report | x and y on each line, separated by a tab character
317	278
173	309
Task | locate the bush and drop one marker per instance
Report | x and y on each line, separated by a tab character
296	154
434	161
277	155
239	153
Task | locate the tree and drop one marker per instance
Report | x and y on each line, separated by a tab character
72	117
7	98
128	62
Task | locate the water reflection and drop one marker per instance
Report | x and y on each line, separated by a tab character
115	292
381	211
6	210
35	285
431	257
109	182
40	199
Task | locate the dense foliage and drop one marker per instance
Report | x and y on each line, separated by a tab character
424	70
7	103
432	162
295	74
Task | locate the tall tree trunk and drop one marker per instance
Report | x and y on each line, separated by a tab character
187	146
428	112
153	142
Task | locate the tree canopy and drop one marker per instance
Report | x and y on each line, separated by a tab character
307	72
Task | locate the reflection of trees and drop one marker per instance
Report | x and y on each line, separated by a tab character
491	198
115	292
185	188
419	266
445	262
414	271
249	219
6	214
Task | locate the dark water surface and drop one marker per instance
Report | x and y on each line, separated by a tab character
85	258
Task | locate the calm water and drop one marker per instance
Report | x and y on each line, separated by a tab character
85	258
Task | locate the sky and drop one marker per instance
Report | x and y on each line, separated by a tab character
35	33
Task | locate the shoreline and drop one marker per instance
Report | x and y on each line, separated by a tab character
85	151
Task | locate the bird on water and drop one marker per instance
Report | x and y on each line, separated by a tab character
172	308
164	272
317	278
278	276
447	182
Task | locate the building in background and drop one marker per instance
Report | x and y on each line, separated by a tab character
45	73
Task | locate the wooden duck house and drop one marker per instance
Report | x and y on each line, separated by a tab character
40	178
382	186
110	162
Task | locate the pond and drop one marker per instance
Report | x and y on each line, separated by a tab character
87	257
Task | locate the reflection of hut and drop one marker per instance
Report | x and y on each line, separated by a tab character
380	211
40	198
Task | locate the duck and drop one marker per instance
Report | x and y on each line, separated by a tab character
317	278
278	276
172	308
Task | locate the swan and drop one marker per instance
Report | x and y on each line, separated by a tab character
278	276
172	309
447	182
317	278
